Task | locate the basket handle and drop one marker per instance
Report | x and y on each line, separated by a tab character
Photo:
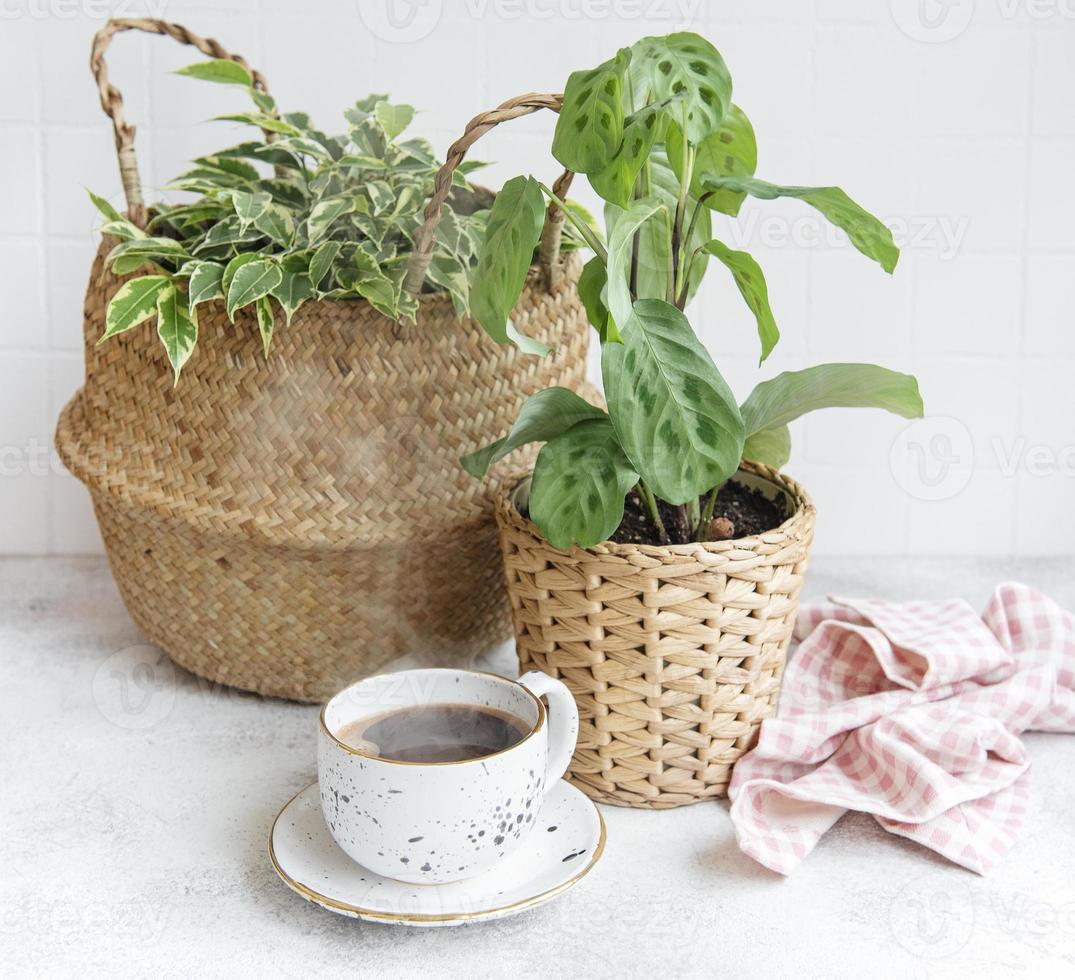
112	100
549	245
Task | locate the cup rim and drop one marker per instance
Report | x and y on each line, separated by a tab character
351	750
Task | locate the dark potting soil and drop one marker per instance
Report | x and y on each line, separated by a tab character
740	511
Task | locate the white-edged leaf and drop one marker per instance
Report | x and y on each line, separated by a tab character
249	206
134	303
322	262
324	213
293	290
206	283
263	305
276	222
106	209
177	327
251	282
393	118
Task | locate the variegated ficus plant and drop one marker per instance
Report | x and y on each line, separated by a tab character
656	133
293	216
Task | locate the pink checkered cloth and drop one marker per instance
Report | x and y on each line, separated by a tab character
911	712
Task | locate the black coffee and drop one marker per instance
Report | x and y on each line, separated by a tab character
435	733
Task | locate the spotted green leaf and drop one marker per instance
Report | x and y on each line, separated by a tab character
590	127
177	327
688	66
544	415
675	417
580	481
751	282
615	182
134	303
732	151
511	234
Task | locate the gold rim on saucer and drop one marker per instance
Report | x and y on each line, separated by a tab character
323	900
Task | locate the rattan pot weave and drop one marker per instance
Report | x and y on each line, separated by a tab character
674	654
288	524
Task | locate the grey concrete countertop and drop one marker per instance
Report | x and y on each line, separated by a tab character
137	799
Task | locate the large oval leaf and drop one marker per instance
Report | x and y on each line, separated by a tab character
590	127
686	65
674	414
511	235
791	394
544	415
867	233
580	481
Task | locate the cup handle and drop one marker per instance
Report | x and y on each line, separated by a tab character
563	722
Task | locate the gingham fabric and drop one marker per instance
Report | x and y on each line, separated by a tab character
911	712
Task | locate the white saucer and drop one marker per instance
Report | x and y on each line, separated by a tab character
564	845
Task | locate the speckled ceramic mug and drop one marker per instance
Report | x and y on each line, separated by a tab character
432	822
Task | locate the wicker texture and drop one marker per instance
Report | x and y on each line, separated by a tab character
289	524
674	654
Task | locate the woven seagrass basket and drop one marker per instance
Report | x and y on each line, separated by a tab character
289	524
674	654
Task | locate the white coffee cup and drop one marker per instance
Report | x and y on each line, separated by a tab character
432	822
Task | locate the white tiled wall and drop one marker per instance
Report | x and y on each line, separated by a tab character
953	121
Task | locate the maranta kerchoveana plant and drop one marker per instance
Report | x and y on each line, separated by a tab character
656	133
294	216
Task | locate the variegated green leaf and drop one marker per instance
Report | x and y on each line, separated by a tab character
322	261
134	303
206	283
177	327
265	321
393	118
294	288
324	213
249	206
251	282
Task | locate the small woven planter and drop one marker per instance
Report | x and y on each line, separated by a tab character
674	654
289	524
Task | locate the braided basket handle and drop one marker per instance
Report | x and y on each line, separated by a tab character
549	246
112	100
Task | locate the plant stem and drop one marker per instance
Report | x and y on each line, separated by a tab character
694	515
685	279
702	531
651	507
586	232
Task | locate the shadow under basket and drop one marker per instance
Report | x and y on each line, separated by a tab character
674	653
